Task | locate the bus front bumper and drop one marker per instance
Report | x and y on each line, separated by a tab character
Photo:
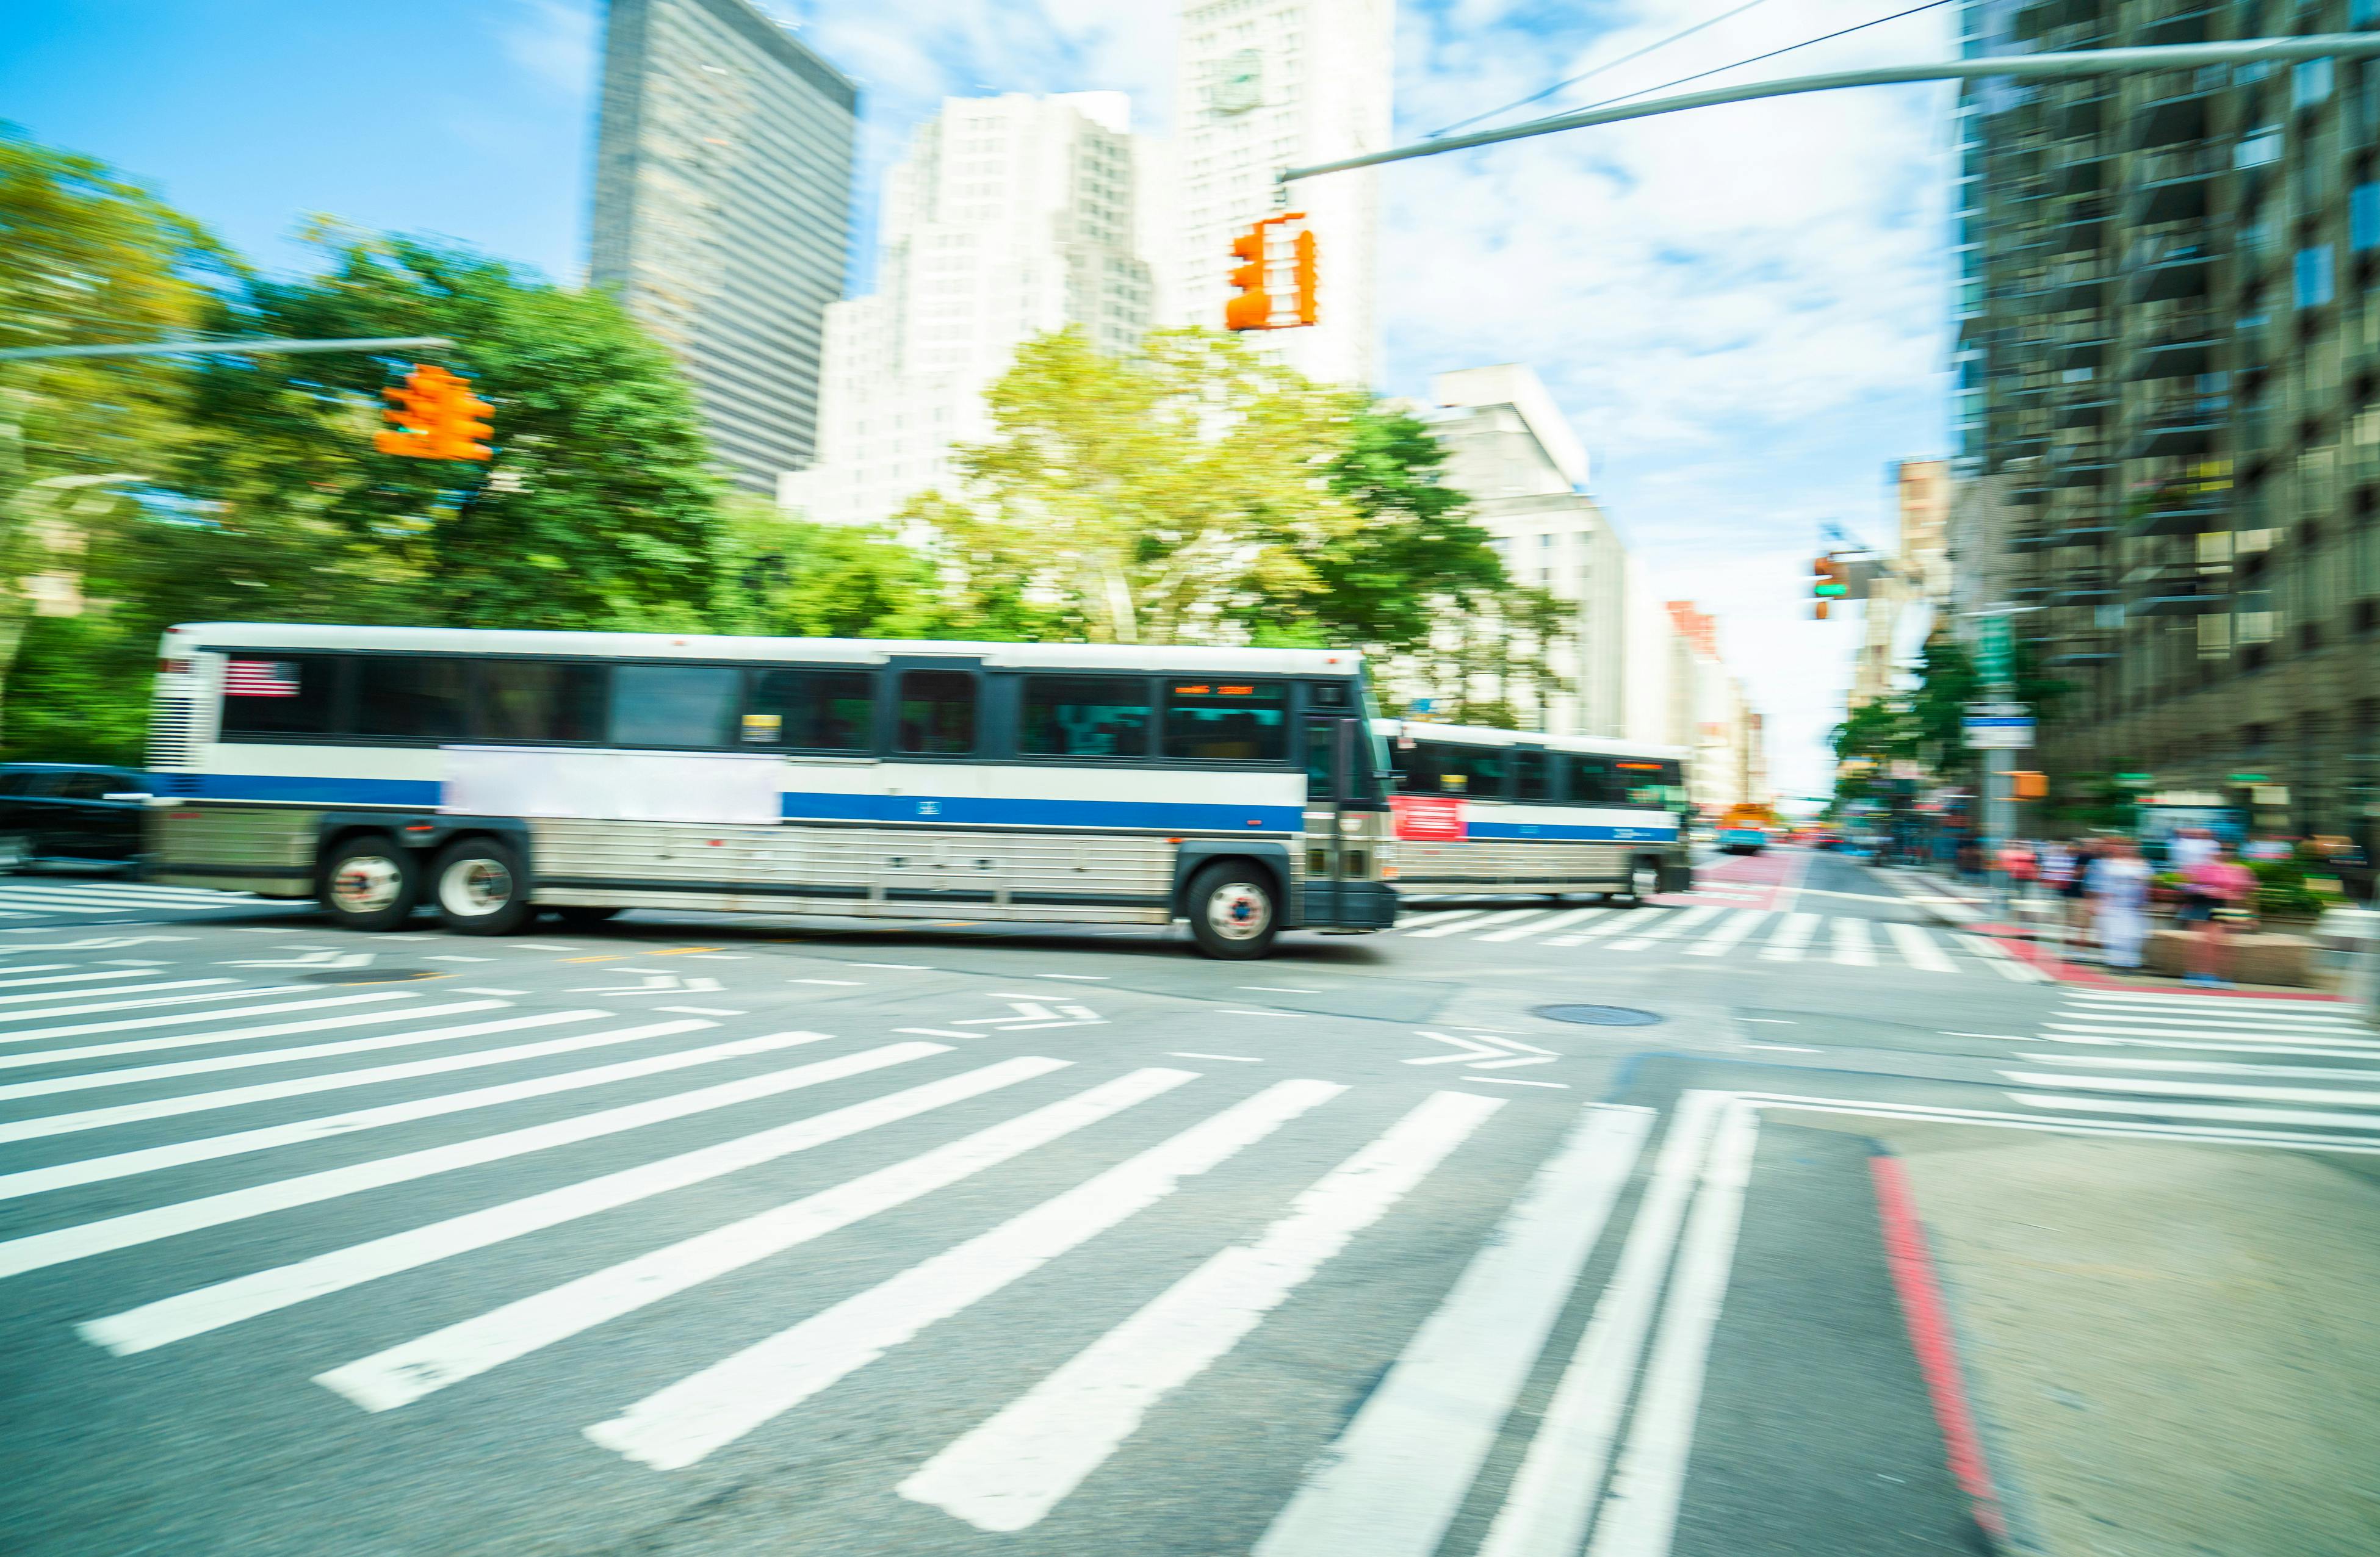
1350	905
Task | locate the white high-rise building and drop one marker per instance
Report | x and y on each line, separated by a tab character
1510	449
1270	84
1009	217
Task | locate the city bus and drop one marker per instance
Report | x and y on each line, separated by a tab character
1747	829
1482	811
490	775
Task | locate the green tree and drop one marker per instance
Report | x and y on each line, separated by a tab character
783	576
596	511
87	257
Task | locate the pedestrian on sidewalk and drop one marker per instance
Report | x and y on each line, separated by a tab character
2118	880
2076	889
2022	866
2224	889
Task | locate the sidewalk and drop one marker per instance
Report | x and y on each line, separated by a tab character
2173	1346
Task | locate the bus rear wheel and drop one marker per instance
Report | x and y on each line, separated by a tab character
480	889
1233	911
370	884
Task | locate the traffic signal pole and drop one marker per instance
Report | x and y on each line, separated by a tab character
2027	67
249	346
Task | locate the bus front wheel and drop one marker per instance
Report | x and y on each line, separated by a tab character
480	889
1643	880
1233	914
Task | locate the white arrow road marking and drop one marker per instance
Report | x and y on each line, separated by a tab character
1486	1053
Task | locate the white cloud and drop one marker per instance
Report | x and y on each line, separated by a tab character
554	41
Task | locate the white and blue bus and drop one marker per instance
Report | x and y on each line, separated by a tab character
492	774
1498	812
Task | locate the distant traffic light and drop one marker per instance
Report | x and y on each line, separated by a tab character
1830	581
2031	786
435	417
1277	284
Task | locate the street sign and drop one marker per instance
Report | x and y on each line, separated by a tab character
1996	649
1989	728
2247	779
2135	780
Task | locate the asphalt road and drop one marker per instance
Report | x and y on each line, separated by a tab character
705	1234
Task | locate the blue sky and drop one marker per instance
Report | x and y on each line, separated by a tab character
1743	310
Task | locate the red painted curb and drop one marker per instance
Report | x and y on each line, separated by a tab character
1929	1336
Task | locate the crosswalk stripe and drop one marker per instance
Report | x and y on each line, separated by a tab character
1640	929
1719	942
2338	1048
262	1292
49	1125
1546	1510
1614	925
265	1137
2174	1110
2000	962
1438	920
2198	1024
1559	921
2205	1067
1919	948
94	994
61	978
132	1228
400	1012
141	891
38	906
1391	1483
677	1426
1640	1514
405	1373
1504	917
1681	919
149	1002
1008	1472
1793	934
2199	1088
2068	1021
129	1075
135	1024
1852	949
2206	1004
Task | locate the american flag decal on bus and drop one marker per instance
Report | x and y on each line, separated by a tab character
260	678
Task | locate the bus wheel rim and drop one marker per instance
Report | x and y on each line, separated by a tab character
366	884
1238	912
475	888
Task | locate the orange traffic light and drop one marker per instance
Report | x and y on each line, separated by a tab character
1251	308
2031	786
436	417
1276	250
1309	278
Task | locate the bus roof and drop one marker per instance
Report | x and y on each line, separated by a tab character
1483	735
189	637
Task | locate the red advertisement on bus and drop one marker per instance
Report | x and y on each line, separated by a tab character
1428	819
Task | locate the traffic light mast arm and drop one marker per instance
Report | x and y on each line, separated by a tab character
254	345
2050	67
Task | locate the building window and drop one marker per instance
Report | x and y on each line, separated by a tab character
2363	217
2313	276
2259	147
2308	84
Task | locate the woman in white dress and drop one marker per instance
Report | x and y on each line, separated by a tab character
2118	884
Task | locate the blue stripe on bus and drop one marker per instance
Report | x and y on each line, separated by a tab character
317	790
1552	833
950	810
983	811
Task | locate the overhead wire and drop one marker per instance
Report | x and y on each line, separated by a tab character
1755	59
1589	75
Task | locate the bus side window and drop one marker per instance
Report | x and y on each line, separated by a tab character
802	710
935	715
1592	782
1227	721
1477	772
673	705
272	697
540	700
412	697
1532	777
1085	717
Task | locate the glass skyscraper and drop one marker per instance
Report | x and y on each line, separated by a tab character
723	212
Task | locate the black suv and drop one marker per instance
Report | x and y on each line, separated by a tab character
62	813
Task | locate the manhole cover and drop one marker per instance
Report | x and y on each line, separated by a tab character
370	975
1599	1016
